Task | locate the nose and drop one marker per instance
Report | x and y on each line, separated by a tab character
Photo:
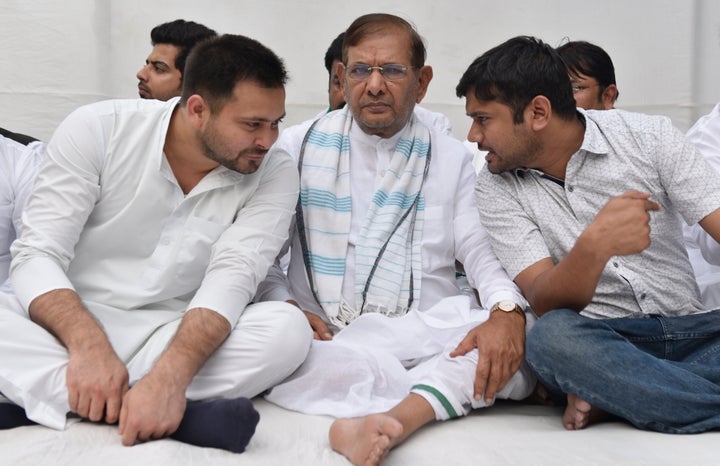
142	73
375	83
266	137
475	133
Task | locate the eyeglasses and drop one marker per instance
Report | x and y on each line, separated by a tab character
390	71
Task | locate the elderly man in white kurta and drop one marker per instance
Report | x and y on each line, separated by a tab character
386	207
148	229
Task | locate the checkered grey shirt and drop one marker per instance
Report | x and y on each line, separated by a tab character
530	217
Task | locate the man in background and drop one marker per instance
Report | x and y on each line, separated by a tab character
162	76
592	75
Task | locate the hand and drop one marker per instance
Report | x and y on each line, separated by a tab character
622	226
151	409
500	342
320	329
96	382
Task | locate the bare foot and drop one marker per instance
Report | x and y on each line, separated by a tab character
366	440
580	414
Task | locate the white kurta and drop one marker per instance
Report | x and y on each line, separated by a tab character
18	167
362	366
108	219
703	250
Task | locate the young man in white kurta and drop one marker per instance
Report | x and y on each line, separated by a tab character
154	214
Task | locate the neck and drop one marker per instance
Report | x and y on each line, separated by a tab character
184	152
565	138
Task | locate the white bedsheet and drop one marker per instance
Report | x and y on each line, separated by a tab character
506	434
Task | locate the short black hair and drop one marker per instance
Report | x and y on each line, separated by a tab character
182	34
588	59
216	65
515	72
334	52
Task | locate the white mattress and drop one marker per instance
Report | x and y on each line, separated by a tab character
506	434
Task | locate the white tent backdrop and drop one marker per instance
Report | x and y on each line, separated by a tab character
57	55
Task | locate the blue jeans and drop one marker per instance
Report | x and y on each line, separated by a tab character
659	373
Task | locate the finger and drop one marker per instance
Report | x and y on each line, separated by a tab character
651	205
123	419
73	400
112	410
130	434
481	377
464	347
492	385
320	327
83	404
96	408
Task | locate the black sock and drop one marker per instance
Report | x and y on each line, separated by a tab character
226	424
12	415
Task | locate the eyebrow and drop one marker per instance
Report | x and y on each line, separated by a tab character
261	118
157	62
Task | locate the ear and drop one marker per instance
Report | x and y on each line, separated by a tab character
609	96
340	73
424	78
197	110
538	112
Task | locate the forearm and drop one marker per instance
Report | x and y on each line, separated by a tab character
569	284
62	313
200	333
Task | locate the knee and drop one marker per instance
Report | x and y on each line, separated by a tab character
290	332
550	336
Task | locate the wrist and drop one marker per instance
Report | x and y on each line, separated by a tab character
507	307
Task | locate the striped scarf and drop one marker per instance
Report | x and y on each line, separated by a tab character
387	257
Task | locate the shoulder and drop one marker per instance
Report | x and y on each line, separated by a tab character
709	123
291	138
119	110
435	120
621	121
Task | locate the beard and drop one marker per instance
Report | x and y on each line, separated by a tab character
244	161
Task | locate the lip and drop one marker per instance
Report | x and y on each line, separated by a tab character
256	157
376	107
143	91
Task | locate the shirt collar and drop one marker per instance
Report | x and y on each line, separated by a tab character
593	140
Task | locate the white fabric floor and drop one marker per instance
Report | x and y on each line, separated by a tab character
506	434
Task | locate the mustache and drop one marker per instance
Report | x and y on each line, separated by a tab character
254	151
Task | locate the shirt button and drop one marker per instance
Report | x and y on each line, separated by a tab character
571	188
615	264
643	296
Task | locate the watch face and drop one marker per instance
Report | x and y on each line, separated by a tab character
506	306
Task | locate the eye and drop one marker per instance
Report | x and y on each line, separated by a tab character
359	71
393	71
252	124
